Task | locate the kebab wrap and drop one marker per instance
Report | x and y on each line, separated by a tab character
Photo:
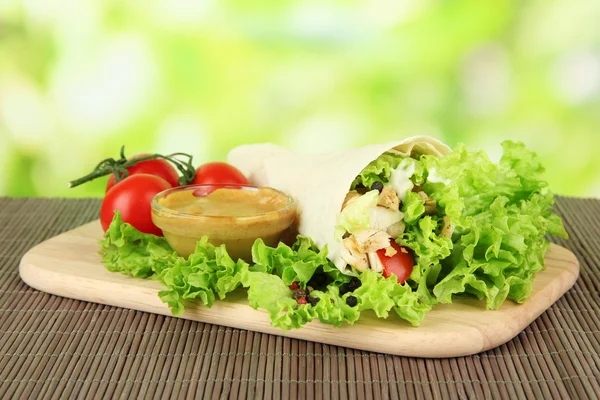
325	187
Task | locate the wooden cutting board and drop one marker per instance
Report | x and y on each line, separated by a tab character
69	265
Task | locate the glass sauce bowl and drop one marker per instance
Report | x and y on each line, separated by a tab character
234	215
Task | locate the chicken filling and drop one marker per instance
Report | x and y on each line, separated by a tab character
371	218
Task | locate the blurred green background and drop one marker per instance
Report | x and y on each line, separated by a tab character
80	78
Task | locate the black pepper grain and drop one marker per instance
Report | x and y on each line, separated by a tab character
354	284
377	186
351	301
319	281
345	288
299	293
312	300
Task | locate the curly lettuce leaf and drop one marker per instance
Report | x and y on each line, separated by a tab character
500	253
378	170
332	308
126	250
499	242
356	215
293	264
376	293
409	305
269	292
381	295
275	269
413	207
424	239
208	273
423	236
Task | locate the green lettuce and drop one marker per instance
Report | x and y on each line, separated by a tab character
499	241
381	295
126	250
206	274
499	254
293	264
424	239
332	308
413	207
378	170
267	291
275	269
356	216
209	272
376	293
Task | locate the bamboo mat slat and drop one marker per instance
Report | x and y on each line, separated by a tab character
53	347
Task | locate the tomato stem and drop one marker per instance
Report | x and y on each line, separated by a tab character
119	167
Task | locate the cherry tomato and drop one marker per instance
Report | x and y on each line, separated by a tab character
158	166
219	172
133	197
400	264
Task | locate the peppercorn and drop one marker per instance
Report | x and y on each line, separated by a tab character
318	281
354	284
351	301
377	186
345	288
299	293
302	300
312	300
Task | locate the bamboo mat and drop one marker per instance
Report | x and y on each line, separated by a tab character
53	347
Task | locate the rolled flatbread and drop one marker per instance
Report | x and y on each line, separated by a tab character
319	183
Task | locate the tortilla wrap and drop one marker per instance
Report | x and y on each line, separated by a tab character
319	182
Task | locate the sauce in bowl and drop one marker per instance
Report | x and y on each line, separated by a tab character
234	215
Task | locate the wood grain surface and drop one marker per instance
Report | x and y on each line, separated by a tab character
68	265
